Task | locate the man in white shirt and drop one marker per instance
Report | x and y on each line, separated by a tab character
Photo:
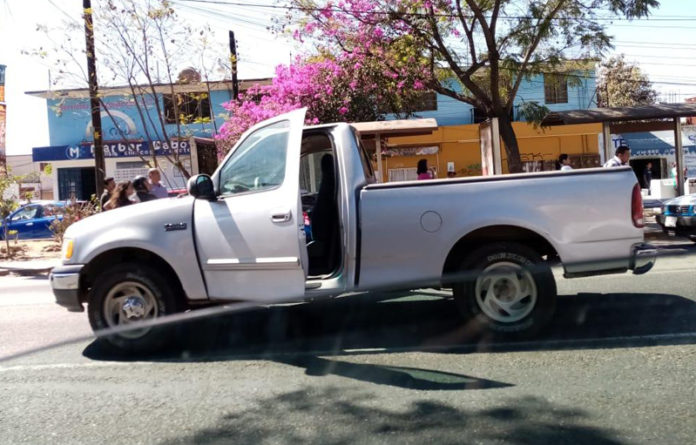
156	187
621	156
564	163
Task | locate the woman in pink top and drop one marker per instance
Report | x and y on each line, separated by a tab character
423	172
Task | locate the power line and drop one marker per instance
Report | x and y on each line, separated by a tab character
422	14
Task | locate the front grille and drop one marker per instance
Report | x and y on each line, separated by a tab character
678	210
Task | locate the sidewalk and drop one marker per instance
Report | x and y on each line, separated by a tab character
32	259
28	267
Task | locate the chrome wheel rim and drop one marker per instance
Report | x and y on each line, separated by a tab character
506	292
127	303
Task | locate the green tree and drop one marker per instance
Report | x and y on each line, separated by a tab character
623	84
475	51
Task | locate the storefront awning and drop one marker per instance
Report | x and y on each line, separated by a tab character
402	127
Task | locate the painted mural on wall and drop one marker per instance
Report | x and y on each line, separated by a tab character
70	123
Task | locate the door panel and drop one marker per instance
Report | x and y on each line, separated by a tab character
250	240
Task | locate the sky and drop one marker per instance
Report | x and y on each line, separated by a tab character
664	46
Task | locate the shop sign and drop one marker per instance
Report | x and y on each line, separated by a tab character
111	150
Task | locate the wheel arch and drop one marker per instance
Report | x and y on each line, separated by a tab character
495	233
124	255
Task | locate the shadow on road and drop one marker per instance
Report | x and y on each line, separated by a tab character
346	415
409	321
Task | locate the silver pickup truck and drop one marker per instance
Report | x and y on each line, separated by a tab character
295	212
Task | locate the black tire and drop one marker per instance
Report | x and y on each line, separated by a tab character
507	256
168	300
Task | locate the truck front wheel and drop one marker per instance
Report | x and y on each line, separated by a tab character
506	289
129	293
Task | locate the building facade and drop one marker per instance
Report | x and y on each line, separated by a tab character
139	130
556	92
455	147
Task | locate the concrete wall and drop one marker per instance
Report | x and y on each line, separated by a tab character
460	144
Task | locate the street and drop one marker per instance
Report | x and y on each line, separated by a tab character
615	366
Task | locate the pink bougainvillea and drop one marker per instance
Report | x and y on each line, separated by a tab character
345	89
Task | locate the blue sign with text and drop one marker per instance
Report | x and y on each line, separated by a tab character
111	150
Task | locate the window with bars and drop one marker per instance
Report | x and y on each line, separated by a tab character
555	89
191	107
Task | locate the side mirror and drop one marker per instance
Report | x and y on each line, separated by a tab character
201	186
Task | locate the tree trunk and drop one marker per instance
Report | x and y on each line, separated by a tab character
507	133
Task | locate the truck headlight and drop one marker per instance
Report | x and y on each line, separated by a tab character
657	210
67	249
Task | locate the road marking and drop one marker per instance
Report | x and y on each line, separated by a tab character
70	366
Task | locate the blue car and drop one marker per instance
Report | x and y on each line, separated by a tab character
678	216
32	220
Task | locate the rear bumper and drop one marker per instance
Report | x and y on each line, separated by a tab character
643	257
65	282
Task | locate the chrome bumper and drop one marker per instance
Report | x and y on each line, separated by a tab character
643	257
65	282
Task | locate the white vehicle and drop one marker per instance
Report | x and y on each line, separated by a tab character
241	236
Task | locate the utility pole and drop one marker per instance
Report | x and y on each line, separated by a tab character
233	59
99	166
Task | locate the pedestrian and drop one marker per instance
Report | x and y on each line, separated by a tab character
647	176
120	196
422	170
142	189
109	186
621	156
156	187
563	163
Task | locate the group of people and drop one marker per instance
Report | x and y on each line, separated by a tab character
125	193
621	156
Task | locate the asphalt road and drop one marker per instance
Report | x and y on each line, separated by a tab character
617	365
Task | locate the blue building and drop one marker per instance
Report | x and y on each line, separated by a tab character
556	92
134	129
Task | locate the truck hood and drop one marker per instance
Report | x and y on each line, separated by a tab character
141	220
682	200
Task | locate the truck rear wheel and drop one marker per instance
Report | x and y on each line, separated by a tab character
128	293
506	290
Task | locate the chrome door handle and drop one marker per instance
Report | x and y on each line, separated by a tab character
281	217
30	224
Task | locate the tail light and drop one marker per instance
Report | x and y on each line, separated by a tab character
637	207
306	218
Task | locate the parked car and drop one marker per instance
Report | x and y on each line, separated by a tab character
33	220
678	216
240	235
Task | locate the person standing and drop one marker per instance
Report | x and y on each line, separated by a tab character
120	196
647	176
564	163
142	189
109	186
156	187
422	170
621	156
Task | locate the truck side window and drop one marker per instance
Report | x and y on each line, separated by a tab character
258	163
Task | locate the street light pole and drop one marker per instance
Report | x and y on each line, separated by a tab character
99	166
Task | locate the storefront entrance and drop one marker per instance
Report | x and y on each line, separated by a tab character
78	182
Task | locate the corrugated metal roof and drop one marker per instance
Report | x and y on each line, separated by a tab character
618	114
